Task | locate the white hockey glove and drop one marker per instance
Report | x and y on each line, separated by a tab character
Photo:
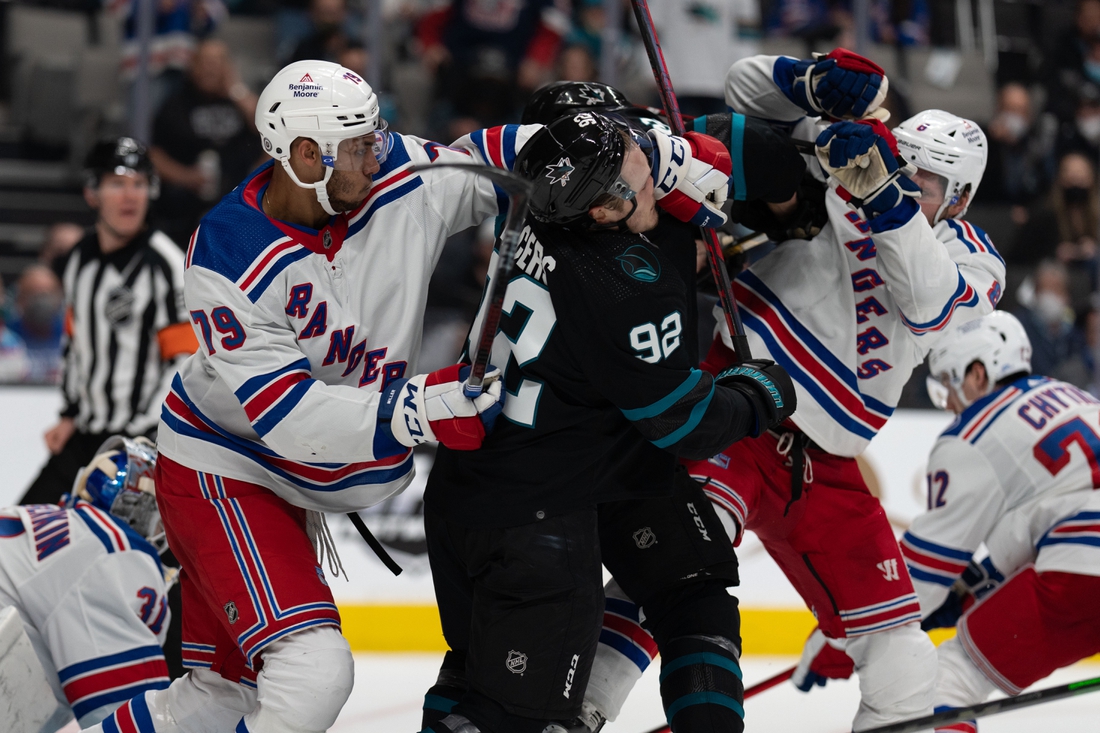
864	166
691	176
433	407
821	662
840	85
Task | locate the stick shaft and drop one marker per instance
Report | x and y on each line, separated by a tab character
750	691
947	717
676	122
375	545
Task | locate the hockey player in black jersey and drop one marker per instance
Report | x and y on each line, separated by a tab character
603	397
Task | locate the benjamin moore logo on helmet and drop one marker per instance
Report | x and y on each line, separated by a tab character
559	172
305	87
641	264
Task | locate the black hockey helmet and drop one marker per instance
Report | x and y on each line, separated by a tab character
122	155
572	161
559	98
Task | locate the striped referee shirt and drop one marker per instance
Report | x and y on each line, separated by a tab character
127	332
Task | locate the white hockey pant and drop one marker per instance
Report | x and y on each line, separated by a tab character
305	681
897	675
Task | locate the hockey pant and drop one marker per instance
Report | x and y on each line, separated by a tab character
251	588
305	680
1035	623
836	547
670	556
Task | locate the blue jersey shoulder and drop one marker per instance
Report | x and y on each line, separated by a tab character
235	232
976	410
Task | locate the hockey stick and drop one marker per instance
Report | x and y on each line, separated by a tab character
676	122
374	544
754	690
519	195
947	717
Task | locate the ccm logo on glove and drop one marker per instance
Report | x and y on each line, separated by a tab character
440	407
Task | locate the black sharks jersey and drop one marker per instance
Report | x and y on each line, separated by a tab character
596	346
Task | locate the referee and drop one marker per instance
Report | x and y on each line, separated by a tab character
125	321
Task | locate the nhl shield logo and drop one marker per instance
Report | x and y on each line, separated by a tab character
119	307
644	538
516	662
326	239
231	612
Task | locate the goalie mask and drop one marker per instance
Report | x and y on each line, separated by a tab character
328	104
571	162
949	146
119	480
998	341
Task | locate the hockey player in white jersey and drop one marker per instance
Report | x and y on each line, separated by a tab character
306	286
87	582
849	314
1017	470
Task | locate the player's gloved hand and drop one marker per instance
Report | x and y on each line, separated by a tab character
949	613
864	166
980	578
821	662
767	386
841	85
434	407
691	176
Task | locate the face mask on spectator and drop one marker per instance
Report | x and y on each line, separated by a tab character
40	313
1015	124
1075	194
1089	127
1050	307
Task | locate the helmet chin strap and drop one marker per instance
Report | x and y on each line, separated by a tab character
320	187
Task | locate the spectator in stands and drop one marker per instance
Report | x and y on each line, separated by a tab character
331	33
1021	152
1058	348
1073	60
700	40
487	55
13	352
177	25
39	322
577	64
1065	227
1082	132
204	141
60	238
126	325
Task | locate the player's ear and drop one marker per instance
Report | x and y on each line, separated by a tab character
91	197
306	150
600	214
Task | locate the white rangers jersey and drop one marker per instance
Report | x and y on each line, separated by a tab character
92	597
299	330
1016	470
850	313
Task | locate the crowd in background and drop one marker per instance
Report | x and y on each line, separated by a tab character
452	66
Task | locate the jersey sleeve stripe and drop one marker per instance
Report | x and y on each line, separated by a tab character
737	144
1082	528
633	631
90	692
943	551
618	606
658	407
283	407
508	146
626	647
247	390
132	716
964	297
276	248
493	140
693	420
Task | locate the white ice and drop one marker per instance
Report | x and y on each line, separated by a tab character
389	689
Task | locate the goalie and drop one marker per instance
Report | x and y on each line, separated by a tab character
88	586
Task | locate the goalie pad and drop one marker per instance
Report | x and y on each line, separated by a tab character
28	703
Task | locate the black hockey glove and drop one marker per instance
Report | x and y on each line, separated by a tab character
767	386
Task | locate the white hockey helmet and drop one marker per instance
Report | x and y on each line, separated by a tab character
324	102
949	146
997	340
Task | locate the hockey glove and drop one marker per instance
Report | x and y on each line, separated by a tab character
975	583
433	407
767	386
864	166
840	85
691	177
821	662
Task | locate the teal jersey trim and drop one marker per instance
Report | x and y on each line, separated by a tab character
737	143
715	660
641	413
693	420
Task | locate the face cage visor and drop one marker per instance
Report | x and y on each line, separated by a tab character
352	152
